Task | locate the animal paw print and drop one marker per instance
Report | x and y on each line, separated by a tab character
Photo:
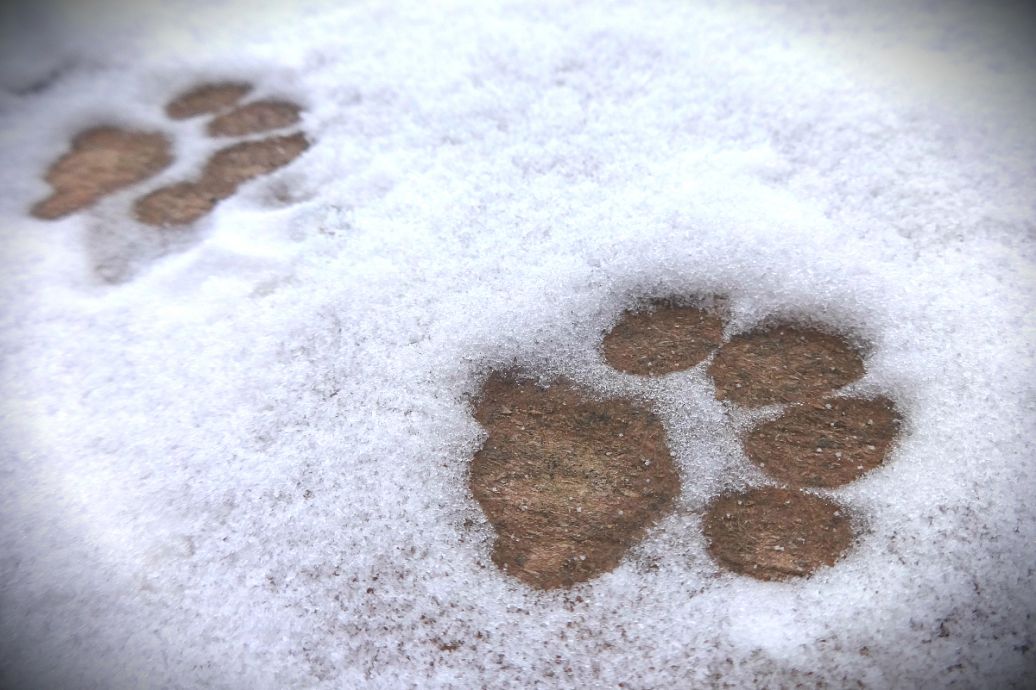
570	482
107	159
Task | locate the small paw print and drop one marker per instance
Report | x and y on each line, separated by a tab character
107	159
570	482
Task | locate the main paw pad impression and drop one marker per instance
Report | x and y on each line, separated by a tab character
570	481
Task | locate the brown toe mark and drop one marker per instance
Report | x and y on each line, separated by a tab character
774	534
206	98
224	172
569	483
260	116
783	364
662	339
825	444
177	204
237	164
102	160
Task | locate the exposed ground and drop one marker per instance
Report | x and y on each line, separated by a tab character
206	99
253	118
825	444
772	534
662	338
185	202
102	160
783	363
570	482
106	159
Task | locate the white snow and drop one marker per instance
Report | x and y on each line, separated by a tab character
238	459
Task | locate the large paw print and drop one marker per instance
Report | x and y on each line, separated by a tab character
570	482
107	159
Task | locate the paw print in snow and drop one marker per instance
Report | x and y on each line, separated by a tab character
106	159
570	482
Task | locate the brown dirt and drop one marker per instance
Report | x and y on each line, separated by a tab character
206	98
226	170
102	160
783	364
234	165
569	483
252	118
662	339
825	444
177	204
775	534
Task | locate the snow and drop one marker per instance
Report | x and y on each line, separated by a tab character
238	458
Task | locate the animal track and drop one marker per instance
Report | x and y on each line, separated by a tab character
772	533
226	170
668	338
103	160
570	482
206	99
783	364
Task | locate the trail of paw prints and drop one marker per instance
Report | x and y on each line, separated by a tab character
570	483
104	160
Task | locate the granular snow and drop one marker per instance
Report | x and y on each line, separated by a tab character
238	456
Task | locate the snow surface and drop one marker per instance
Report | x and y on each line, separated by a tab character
239	459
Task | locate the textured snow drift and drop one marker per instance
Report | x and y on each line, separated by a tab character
238	459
